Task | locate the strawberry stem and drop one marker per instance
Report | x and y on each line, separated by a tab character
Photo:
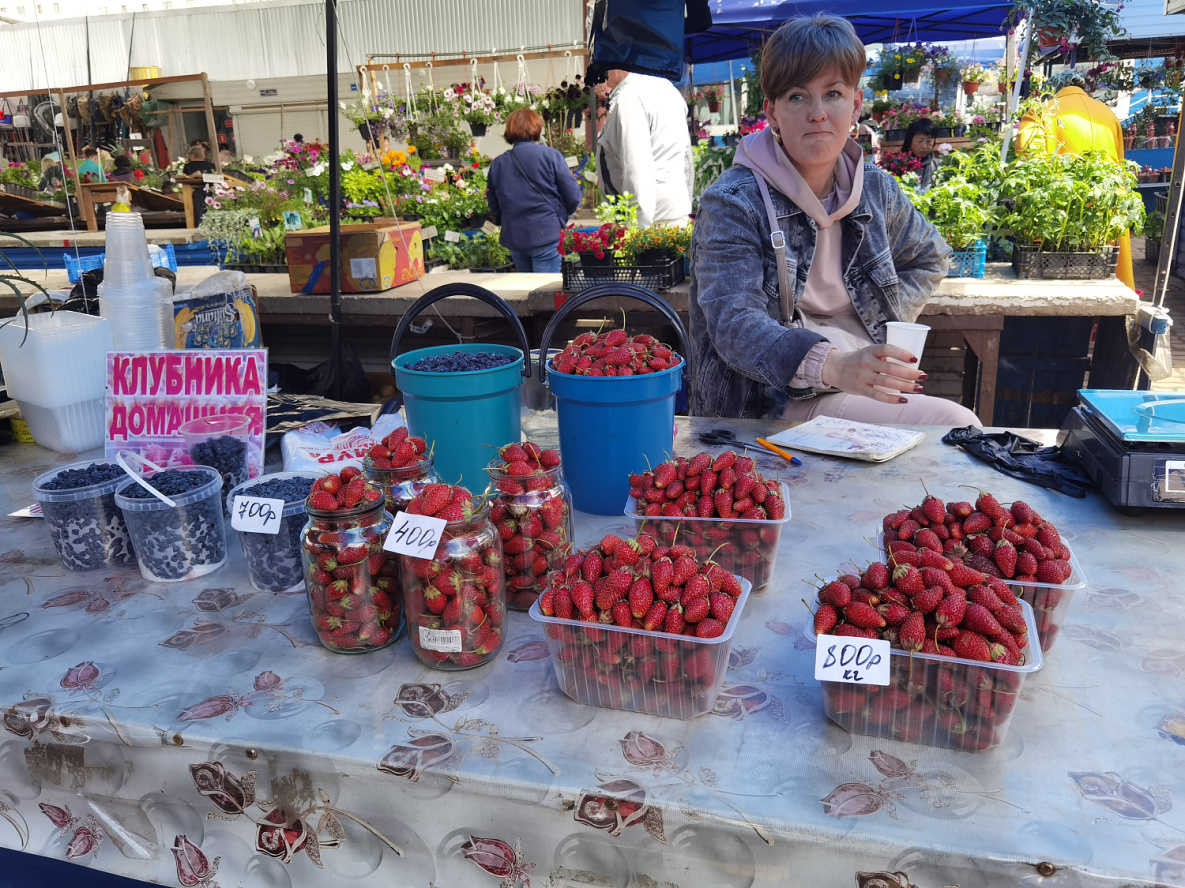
807	606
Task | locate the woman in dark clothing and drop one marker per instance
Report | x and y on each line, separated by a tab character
919	141
122	171
531	193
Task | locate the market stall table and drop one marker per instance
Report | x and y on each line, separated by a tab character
156	730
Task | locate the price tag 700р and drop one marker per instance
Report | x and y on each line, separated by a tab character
853	660
255	514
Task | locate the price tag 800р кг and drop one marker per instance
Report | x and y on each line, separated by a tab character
255	514
853	660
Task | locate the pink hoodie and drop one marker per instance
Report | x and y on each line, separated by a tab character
825	299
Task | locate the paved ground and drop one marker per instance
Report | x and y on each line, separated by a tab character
1175	303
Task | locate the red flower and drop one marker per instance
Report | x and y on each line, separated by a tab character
83	843
139	174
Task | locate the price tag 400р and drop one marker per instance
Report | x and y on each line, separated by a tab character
414	535
862	661
255	514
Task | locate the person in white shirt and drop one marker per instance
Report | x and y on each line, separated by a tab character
645	148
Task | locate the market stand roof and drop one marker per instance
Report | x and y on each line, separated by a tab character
737	25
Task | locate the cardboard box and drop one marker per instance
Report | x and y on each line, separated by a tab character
375	256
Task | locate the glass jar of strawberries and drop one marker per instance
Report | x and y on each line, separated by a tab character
401	466
455	601
532	511
354	598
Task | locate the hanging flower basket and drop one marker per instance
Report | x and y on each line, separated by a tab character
943	75
364	132
878	116
970	87
478	129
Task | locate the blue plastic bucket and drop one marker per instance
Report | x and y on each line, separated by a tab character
612	426
462	415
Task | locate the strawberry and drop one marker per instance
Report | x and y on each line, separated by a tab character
655	616
979	619
1006	558
352	493
709	628
591	567
952	611
933	508
991	507
895	614
836	593
685	568
928	599
911	635
825	619
976	522
875	576
908	580
1011	618
1052	571
582	597
622	614
864	617
965	577
721	606
972	646
927	539
434	497
930	558
674	622
322	501
641	596
984	596
696	610
1026	564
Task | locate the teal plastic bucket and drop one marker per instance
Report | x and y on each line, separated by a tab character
612	426
462	415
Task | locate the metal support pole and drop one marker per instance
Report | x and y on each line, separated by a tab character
335	254
1172	223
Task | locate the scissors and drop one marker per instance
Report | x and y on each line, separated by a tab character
726	438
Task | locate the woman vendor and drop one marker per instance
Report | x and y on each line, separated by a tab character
802	252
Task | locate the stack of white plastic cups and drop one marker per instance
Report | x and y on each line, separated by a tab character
138	304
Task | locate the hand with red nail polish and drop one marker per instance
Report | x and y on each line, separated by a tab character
867	371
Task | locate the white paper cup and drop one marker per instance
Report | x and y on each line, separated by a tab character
912	338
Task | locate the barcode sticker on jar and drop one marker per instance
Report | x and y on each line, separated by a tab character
444	641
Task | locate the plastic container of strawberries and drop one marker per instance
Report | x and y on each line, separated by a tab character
676	676
750	547
1050	601
946	702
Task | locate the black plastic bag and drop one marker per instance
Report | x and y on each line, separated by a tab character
1023	459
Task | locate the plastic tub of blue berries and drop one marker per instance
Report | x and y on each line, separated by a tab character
86	526
220	442
273	559
181	541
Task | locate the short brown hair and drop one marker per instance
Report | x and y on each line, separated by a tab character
197	152
523	125
805	47
88	151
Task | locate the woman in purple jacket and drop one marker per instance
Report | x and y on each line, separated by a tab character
531	195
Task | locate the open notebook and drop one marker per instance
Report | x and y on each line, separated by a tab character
843	437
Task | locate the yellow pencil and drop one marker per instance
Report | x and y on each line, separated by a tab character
786	454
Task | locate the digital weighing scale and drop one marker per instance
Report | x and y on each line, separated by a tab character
1132	444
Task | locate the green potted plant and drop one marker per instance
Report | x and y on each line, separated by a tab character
1153	232
880	106
1087	25
964	212
944	65
485	253
595	251
17	179
1066	212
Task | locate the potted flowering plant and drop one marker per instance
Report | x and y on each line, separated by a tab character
897	120
944	65
714	95
656	244
753	124
947	123
1088	25
899	65
473	105
973	75
592	248
900	163
881	104
16	178
984	122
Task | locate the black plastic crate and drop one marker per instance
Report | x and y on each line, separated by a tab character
653	277
1033	264
1037	393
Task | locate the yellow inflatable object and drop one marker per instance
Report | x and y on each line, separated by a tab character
1076	125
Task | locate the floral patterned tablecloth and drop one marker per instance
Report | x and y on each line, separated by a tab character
197	734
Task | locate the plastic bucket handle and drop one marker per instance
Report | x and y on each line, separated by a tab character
446	290
632	291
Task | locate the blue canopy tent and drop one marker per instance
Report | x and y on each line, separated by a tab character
739	25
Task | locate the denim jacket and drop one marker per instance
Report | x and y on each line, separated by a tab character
745	358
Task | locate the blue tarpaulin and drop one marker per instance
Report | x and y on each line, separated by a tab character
739	25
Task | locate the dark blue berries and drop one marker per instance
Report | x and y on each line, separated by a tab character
461	362
95	473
